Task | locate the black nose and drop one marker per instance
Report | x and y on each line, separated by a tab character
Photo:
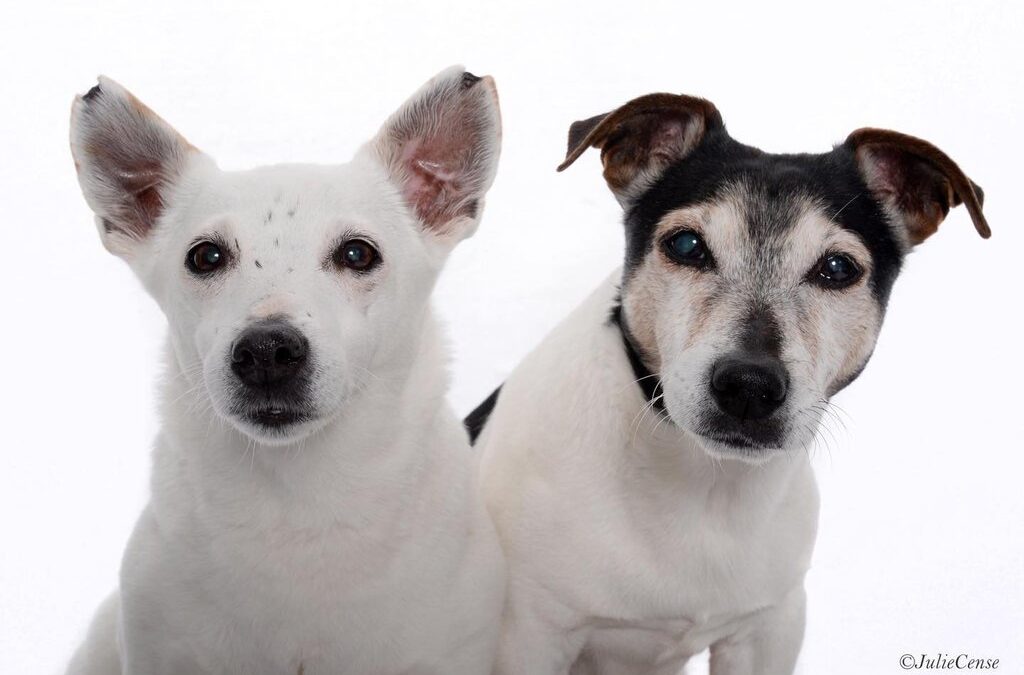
268	353
749	388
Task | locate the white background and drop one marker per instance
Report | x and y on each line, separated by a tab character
920	547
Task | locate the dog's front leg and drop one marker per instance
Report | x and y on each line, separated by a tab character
152	647
159	615
769	645
537	637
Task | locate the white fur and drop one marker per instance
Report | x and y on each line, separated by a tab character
355	542
630	546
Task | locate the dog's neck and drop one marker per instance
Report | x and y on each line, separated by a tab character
649	383
680	472
394	426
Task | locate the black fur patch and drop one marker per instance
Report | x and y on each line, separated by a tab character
649	383
477	420
775	182
93	93
761	333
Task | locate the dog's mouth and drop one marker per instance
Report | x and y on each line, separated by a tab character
735	446
724	435
736	441
273	411
276	417
274	420
276	424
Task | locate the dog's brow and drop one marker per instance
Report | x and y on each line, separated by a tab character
689	217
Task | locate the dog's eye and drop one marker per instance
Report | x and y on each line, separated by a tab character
687	248
356	255
836	270
205	257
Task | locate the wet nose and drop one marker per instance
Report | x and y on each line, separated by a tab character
268	354
749	387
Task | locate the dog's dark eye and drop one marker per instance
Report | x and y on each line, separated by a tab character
687	248
356	255
204	257
836	270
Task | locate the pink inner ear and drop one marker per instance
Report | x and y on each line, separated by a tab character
431	186
439	151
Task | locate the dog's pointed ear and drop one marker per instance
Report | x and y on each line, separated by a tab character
441	150
127	159
642	138
916	182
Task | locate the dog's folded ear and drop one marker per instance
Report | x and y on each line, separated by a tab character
915	181
441	150
639	140
127	159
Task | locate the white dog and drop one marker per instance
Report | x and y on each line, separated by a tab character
314	502
646	464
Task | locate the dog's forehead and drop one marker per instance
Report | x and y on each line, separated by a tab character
303	188
293	200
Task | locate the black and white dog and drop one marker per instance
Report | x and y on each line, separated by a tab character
645	463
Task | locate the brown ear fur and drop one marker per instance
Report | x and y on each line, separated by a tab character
916	179
641	138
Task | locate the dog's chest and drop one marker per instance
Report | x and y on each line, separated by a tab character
663	549
709	562
279	602
689	576
267	594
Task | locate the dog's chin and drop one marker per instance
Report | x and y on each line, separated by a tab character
277	425
747	442
736	447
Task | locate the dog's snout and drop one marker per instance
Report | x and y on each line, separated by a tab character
747	387
268	353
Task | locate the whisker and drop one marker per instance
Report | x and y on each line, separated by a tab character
647	409
852	200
